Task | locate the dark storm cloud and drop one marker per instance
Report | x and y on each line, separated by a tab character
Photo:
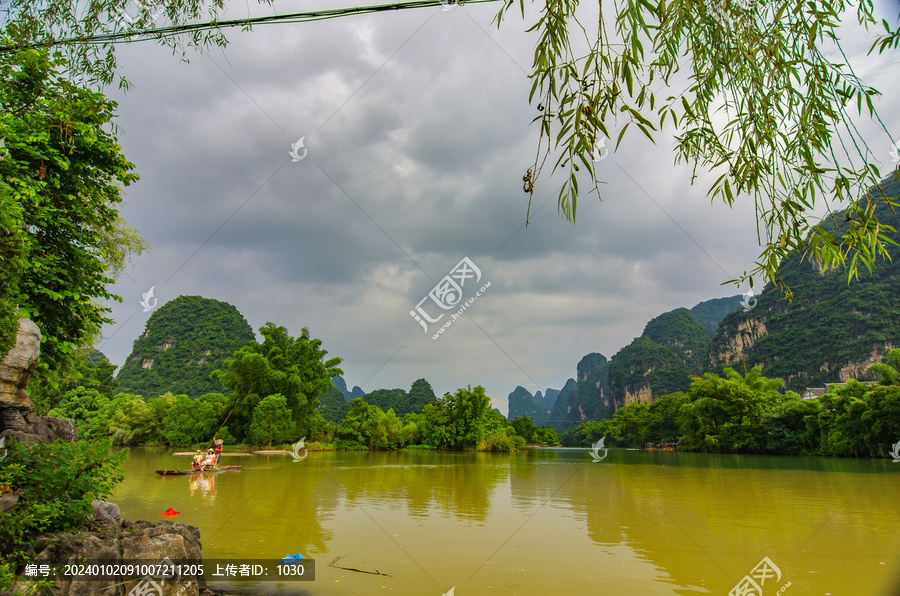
418	132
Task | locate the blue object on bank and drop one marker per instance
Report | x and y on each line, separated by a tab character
291	559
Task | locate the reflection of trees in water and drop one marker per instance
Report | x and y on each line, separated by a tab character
458	484
698	524
289	501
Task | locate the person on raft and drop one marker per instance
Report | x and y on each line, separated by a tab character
209	461
198	458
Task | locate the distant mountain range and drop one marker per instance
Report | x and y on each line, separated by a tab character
832	331
673	347
341	386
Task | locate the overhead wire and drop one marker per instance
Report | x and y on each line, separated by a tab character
174	30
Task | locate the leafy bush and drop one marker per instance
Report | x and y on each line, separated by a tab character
56	483
500	441
342	445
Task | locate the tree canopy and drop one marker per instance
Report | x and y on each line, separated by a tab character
61	177
294	367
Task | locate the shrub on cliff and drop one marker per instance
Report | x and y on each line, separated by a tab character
55	483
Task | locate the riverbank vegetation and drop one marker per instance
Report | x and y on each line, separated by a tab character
274	400
727	413
748	414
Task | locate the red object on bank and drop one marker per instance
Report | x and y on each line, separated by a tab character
169	513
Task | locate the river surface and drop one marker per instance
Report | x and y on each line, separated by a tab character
548	521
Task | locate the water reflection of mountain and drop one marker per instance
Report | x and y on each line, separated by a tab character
424	484
707	526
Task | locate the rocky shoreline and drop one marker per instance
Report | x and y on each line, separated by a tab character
105	538
110	540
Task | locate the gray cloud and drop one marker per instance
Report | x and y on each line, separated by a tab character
418	133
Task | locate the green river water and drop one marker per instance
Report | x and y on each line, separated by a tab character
548	521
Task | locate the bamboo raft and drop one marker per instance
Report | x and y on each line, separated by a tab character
188	472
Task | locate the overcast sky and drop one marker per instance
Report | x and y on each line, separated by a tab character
416	133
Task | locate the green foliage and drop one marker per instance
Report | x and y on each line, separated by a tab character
585	434
13	263
390	398
502	441
646	365
57	481
468	410
129	420
293	367
548	435
679	331
90	410
271	421
829	324
525	428
332	405
61	177
184	341
662	424
420	395
890	369
710	313
51	22
190	421
725	414
761	67
749	415
792	426
628	424
369	425
159	411
343	445
90	370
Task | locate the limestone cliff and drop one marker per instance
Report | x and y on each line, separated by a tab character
831	331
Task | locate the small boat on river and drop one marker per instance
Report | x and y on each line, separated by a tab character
202	464
189	472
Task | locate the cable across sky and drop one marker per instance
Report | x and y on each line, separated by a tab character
296	17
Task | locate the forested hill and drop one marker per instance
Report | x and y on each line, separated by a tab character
672	347
522	403
184	340
341	386
830	332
